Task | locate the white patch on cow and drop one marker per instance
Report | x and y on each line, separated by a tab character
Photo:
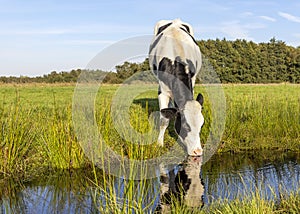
166	91
187	70
164	100
193	115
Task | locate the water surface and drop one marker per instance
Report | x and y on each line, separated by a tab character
226	176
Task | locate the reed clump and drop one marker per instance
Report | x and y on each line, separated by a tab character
17	138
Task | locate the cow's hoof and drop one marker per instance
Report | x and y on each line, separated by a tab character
197	152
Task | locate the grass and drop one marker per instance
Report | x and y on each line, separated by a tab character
129	197
58	141
36	123
255	204
262	117
36	130
37	133
16	140
131	202
252	205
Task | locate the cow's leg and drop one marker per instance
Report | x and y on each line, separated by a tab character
164	122
193	82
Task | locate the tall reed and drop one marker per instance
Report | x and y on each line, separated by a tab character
17	136
58	140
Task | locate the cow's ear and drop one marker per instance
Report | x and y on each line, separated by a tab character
169	112
200	99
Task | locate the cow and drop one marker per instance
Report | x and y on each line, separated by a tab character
175	59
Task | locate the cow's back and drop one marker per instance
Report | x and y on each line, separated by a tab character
174	51
173	43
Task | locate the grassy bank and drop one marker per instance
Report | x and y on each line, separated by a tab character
253	204
262	117
37	129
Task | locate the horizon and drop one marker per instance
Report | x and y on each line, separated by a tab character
38	37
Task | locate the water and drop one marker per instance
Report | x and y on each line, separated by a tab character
235	176
227	176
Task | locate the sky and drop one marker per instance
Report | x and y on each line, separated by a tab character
41	36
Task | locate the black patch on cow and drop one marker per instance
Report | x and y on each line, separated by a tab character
181	126
187	28
165	65
162	28
200	99
192	67
154	69
184	30
193	39
179	82
159	90
189	35
153	45
169	113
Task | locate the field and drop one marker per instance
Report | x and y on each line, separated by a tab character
36	122
37	132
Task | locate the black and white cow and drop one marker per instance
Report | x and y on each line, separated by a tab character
175	59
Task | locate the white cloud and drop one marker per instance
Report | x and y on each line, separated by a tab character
33	31
78	29
268	18
231	30
235	30
289	17
41	32
246	14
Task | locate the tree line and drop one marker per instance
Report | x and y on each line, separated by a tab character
242	61
238	61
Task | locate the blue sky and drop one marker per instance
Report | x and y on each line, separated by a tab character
40	36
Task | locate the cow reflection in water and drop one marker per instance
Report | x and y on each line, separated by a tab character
184	184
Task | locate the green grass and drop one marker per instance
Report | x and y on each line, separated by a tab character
255	204
37	133
58	141
262	117
37	129
17	137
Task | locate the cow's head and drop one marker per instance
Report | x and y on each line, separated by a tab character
188	123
